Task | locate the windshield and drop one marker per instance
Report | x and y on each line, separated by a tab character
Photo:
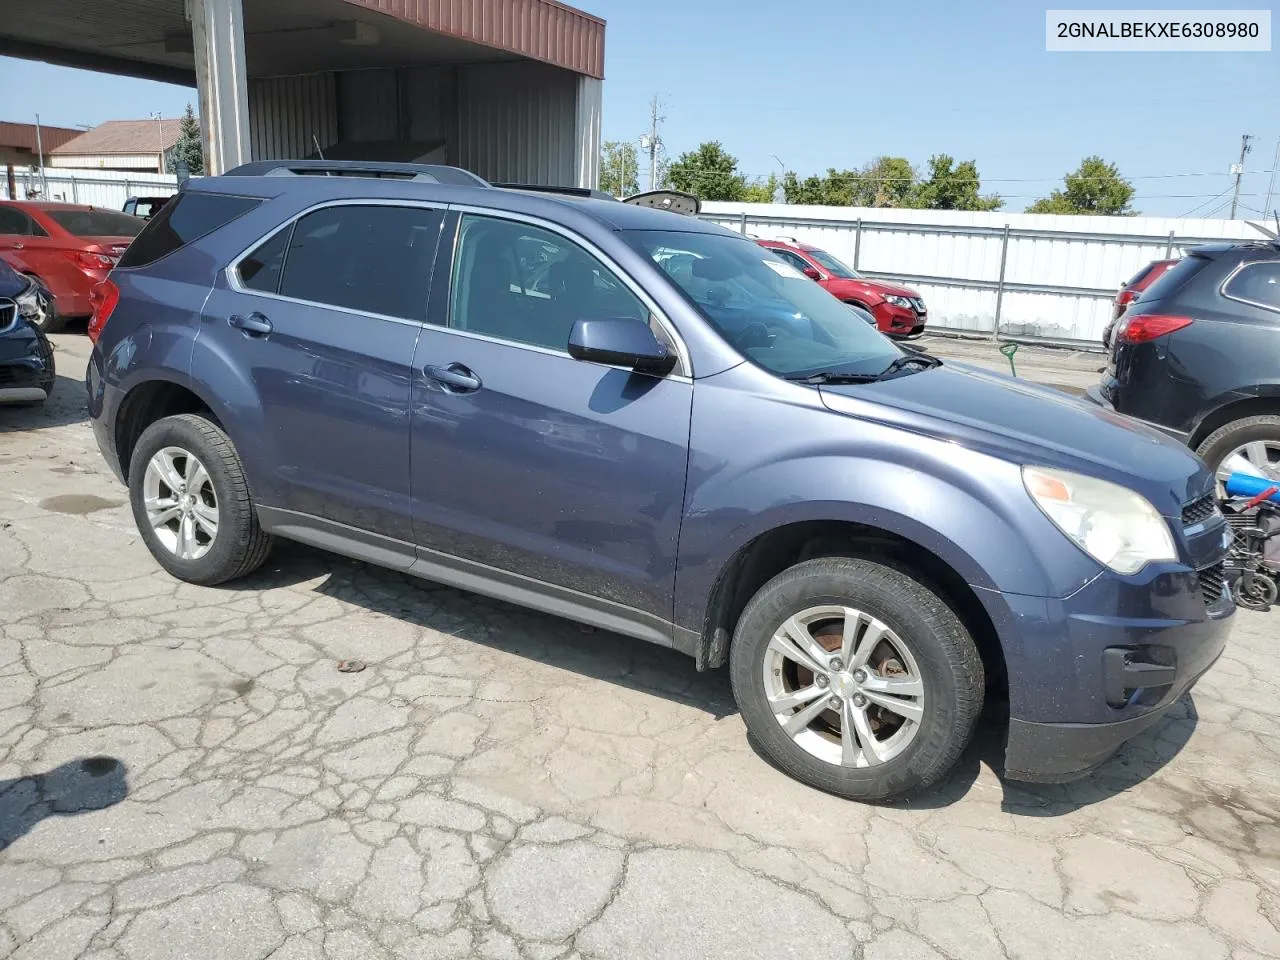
832	265
97	223
774	315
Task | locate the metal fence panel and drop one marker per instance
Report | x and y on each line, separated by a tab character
1016	275
92	187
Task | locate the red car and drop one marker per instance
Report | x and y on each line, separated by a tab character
899	311
67	247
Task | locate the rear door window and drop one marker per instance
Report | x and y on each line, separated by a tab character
188	217
14	222
1174	278
95	223
1257	283
374	259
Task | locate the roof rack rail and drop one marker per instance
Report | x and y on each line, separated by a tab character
422	172
567	191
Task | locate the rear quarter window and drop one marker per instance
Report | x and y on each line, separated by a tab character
1175	278
186	218
1256	283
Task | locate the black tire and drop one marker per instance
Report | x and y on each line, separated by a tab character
53	321
240	546
950	669
1215	447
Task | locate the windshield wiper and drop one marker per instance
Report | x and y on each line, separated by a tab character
827	376
926	362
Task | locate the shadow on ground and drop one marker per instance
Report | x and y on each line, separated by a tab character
67	404
642	666
78	786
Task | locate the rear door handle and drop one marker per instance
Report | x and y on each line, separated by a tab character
455	378
254	325
19	245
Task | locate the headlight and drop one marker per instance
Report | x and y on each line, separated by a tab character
1117	527
29	304
898	301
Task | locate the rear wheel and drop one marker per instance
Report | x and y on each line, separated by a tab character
1251	446
855	678
191	502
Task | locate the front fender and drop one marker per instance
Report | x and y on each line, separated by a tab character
801	462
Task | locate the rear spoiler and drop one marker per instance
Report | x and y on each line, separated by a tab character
674	201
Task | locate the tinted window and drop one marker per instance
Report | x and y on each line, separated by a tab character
796	261
833	266
1257	283
772	313
519	282
261	269
376	259
14	222
186	218
95	223
1175	277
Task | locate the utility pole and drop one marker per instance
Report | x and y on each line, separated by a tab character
652	142
159	149
44	179
1271	184
1238	170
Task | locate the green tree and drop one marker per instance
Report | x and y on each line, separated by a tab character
1095	188
619	168
190	144
709	173
884	182
952	186
762	192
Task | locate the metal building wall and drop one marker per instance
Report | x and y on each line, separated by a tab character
517	122
286	112
1029	275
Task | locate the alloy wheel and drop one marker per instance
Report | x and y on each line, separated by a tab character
1258	458
844	686
181	504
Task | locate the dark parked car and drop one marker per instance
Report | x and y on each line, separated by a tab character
1199	357
26	358
519	394
1132	290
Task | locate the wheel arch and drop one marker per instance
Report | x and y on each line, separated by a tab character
150	400
1266	403
773	551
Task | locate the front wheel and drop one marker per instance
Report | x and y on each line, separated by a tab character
191	502
855	678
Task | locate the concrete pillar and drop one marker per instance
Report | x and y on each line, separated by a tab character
217	34
587	132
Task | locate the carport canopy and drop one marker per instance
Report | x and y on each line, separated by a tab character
224	46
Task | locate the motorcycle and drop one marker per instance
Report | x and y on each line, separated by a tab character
1252	511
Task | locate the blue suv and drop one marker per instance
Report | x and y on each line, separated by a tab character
640	421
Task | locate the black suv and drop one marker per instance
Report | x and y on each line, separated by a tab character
1199	357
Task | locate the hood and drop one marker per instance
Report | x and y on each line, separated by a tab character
880	287
1025	423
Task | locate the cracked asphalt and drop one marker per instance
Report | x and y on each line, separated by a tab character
184	773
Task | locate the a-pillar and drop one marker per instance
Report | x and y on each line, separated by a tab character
217	33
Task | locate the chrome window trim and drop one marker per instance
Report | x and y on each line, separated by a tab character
684	367
232	270
1240	268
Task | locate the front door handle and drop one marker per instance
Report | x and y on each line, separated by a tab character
254	325
455	378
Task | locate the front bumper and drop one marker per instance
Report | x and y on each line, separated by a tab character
900	322
1089	672
26	366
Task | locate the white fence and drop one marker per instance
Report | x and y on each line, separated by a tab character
1017	275
98	188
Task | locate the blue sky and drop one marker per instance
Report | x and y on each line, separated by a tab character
835	83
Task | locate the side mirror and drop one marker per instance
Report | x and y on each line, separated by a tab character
812	274
620	342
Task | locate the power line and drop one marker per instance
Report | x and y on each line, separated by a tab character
1207	202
